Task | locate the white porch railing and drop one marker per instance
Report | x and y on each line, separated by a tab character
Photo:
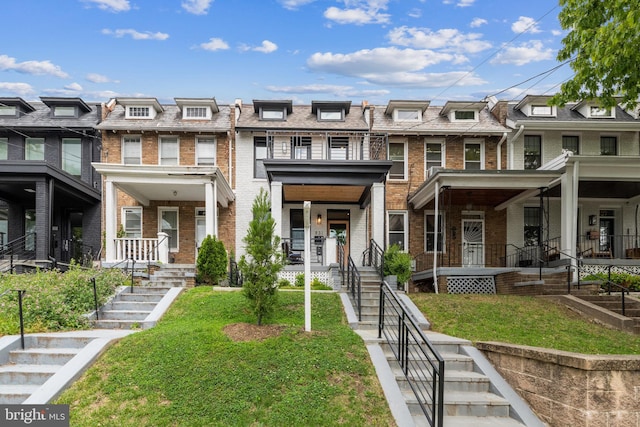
143	249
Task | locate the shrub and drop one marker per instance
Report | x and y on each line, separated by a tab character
397	263
299	280
319	285
283	283
211	264
627	280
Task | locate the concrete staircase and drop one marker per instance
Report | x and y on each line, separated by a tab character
474	393
610	310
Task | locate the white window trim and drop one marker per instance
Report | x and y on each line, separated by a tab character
278	119
207	116
170	209
215	147
443	227
474	141
152	112
611	112
405	173
122	147
552	109
476	116
443	159
330	111
405	236
160	149
122	217
415	110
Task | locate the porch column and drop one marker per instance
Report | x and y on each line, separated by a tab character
110	219
436	217
211	207
377	214
569	211
276	206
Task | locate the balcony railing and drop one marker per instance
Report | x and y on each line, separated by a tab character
324	145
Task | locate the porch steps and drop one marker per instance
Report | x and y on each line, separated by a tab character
172	275
610	311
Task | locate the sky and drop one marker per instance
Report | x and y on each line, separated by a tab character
299	50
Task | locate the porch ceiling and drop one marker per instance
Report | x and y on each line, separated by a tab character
323	193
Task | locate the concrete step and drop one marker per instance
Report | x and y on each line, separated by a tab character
117	324
463	381
26	374
461	421
52	341
130	305
16	394
124	314
139	297
42	356
465	404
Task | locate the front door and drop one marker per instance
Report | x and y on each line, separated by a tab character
201	228
340	230
472	243
607	227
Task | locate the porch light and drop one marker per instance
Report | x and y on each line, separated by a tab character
319	219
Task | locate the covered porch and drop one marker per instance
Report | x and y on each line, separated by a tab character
174	208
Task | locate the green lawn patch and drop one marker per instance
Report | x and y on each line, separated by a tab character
187	372
521	320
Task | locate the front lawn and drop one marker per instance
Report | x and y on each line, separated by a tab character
187	371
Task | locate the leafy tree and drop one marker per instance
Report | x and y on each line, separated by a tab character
602	45
264	260
211	264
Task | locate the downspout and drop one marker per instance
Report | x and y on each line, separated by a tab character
513	140
502	140
231	140
435	238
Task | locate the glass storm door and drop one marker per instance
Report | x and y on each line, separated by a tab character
472	243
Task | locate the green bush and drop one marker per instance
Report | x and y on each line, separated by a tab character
319	285
299	280
283	283
397	263
627	280
211	264
54	300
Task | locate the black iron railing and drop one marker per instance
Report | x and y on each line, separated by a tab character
420	361
22	248
373	256
21	293
354	285
619	287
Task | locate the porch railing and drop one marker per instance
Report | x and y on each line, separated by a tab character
142	249
593	244
354	285
23	248
421	363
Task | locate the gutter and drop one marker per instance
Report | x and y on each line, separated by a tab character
513	140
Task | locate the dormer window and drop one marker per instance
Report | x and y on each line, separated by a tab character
138	112
63	111
272	114
197	108
330	115
8	110
596	112
464	115
196	113
407	115
541	110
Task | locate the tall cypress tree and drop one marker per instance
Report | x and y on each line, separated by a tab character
263	260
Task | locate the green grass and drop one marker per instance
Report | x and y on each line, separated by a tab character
521	320
186	372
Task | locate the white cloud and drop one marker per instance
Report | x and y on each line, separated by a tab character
336	90
111	5
446	39
99	78
465	3
415	13
478	22
8	63
359	12
214	44
525	24
556	32
531	51
74	87
20	89
136	35
294	4
266	47
197	7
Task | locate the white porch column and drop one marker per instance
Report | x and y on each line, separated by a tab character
435	236
377	214
163	247
331	248
211	208
110	220
276	207
569	212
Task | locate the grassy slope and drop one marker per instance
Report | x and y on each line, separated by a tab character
186	372
521	320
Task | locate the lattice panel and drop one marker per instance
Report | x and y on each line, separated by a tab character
323	276
471	285
588	269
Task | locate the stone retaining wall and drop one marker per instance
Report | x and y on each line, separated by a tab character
571	389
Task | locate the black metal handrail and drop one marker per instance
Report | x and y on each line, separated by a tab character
420	361
622	289
21	293
354	285
373	256
18	247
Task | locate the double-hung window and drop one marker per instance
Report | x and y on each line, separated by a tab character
608	146
431	232
4	148
169	150
397	233
433	155
206	151
339	147
168	223
571	143
473	156
260	153
72	156
398	157
532	151
531	225
34	149
131	150
132	222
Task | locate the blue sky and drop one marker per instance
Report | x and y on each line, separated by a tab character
303	50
